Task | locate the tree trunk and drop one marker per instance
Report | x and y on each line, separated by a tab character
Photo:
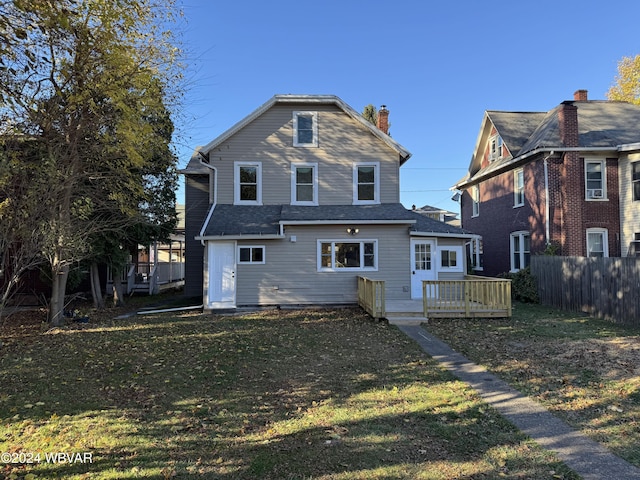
58	291
118	295
96	289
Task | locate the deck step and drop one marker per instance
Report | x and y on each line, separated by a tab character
405	320
405	313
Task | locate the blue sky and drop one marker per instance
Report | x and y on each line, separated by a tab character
436	65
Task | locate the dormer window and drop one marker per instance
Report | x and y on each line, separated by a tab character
495	148
305	129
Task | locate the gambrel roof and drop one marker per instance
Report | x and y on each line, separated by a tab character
194	165
603	126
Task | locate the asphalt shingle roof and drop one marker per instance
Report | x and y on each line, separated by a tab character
234	220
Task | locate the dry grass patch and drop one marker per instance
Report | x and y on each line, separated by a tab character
312	394
585	370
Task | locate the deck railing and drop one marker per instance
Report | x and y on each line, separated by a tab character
371	296
472	297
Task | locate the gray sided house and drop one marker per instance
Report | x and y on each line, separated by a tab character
293	203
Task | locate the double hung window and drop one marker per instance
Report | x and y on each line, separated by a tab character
366	183
475	199
635	180
304	184
597	242
595	184
518	187
305	129
248	183
520	250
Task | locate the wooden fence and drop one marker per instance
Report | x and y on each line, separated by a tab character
606	288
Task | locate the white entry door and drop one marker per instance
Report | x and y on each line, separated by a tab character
222	274
423	258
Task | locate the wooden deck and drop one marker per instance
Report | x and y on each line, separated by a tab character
477	297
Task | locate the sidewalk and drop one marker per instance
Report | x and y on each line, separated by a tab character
584	456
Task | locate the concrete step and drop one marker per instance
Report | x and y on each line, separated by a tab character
405	320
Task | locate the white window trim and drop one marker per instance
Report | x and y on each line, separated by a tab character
252	247
459	259
605	239
347	269
475	201
475	247
521	234
633	182
376	185
496	147
236	183
294	184
516	192
314	127
596	194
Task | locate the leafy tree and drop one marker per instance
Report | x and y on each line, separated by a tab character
89	81
370	113
627	86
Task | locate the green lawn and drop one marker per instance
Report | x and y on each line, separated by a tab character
313	394
587	371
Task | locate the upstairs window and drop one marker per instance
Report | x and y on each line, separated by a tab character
304	184
518	187
635	180
495	148
305	129
366	183
475	198
248	183
594	173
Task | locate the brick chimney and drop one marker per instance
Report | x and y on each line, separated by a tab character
580	96
568	124
383	119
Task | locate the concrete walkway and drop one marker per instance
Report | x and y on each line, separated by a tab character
584	456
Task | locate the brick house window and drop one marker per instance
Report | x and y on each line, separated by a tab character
495	148
518	187
597	242
520	250
475	198
595	184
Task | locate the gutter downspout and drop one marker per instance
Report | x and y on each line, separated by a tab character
213	196
546	199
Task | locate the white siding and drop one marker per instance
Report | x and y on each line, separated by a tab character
341	142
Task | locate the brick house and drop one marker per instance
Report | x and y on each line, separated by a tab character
540	180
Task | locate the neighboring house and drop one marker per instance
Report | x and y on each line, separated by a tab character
558	180
293	203
438	214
